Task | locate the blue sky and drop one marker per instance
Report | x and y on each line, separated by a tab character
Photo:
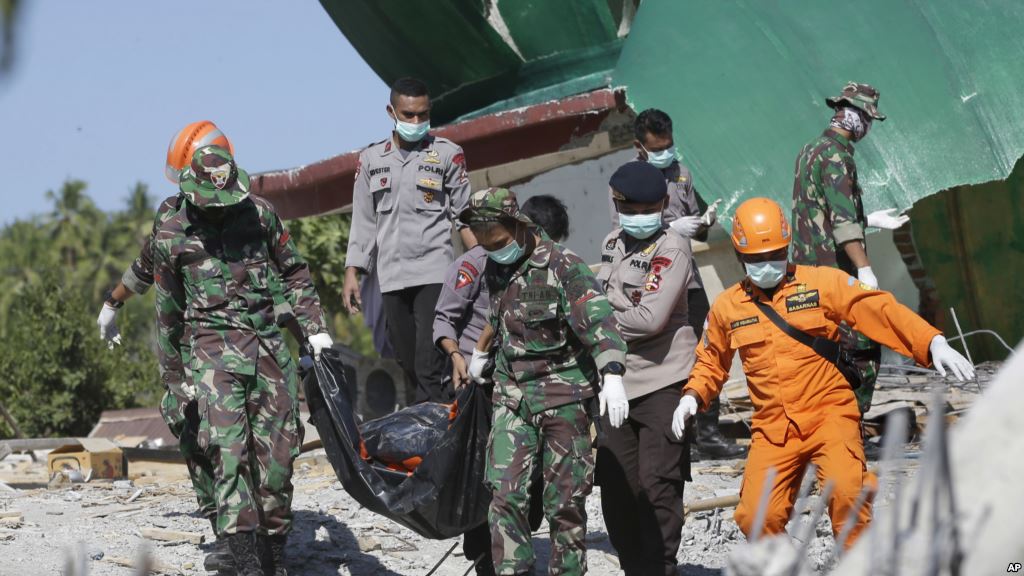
99	88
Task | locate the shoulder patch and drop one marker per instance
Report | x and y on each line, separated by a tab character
803	301
463	279
744	322
610	244
653	282
285	237
607	258
660	263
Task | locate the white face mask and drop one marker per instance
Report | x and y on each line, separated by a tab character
766	274
662	158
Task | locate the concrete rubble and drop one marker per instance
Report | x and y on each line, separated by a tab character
104	524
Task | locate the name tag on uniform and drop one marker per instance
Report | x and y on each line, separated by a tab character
803	301
539	294
744	322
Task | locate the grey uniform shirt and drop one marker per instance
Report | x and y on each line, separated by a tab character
463	306
403	208
682	201
646	282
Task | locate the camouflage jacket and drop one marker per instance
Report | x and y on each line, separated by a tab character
827	206
139	277
555	329
219	278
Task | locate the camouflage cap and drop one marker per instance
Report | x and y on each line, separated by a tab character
862	96
491	204
213	179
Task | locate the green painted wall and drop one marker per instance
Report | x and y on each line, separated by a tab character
971	240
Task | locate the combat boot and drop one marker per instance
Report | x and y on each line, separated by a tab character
219	559
711	443
243	552
272	554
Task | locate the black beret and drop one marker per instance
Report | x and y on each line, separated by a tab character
638	181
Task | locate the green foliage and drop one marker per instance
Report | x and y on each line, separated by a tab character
56	375
323	241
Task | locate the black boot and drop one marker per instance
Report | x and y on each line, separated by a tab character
272	554
710	441
243	552
219	559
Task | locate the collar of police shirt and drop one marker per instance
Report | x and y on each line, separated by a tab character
404	154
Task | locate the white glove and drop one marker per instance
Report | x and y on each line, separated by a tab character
885	219
711	214
686	409
318	342
686	226
944	357
182	390
613	398
476	365
108	325
866	276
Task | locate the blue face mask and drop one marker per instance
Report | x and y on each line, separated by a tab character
507	255
766	274
412	132
662	159
640	225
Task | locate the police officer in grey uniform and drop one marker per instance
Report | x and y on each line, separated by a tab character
462	312
641	465
408	191
655	144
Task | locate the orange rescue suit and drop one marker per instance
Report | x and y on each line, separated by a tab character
804	409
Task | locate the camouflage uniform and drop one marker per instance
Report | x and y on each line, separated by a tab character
555	331
213	274
828	211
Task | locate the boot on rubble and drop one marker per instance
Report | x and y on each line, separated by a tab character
272	554
219	559
244	554
710	441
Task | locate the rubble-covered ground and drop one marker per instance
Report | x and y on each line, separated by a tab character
104	521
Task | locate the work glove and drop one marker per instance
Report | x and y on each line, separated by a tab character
711	214
613	399
686	226
687	408
477	364
182	389
885	219
319	342
867	276
945	358
108	325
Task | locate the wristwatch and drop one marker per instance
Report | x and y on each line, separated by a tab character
111	301
615	368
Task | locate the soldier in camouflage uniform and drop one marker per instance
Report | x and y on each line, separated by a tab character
828	212
556	339
214	262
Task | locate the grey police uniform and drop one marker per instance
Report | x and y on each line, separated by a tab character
403	207
462	308
641	466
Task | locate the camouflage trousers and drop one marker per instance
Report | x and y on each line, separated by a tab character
182	417
562	435
868	357
250	428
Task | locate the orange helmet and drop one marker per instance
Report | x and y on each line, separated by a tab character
187	141
759	226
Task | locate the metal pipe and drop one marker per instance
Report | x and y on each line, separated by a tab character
967	351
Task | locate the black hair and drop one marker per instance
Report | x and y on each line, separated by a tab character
550	214
408	86
652	121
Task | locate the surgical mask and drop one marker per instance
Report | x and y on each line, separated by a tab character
766	274
640	226
412	132
507	255
662	159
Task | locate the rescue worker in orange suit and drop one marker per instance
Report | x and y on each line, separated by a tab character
804	408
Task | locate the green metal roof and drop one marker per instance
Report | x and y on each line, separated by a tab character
745	82
485	56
